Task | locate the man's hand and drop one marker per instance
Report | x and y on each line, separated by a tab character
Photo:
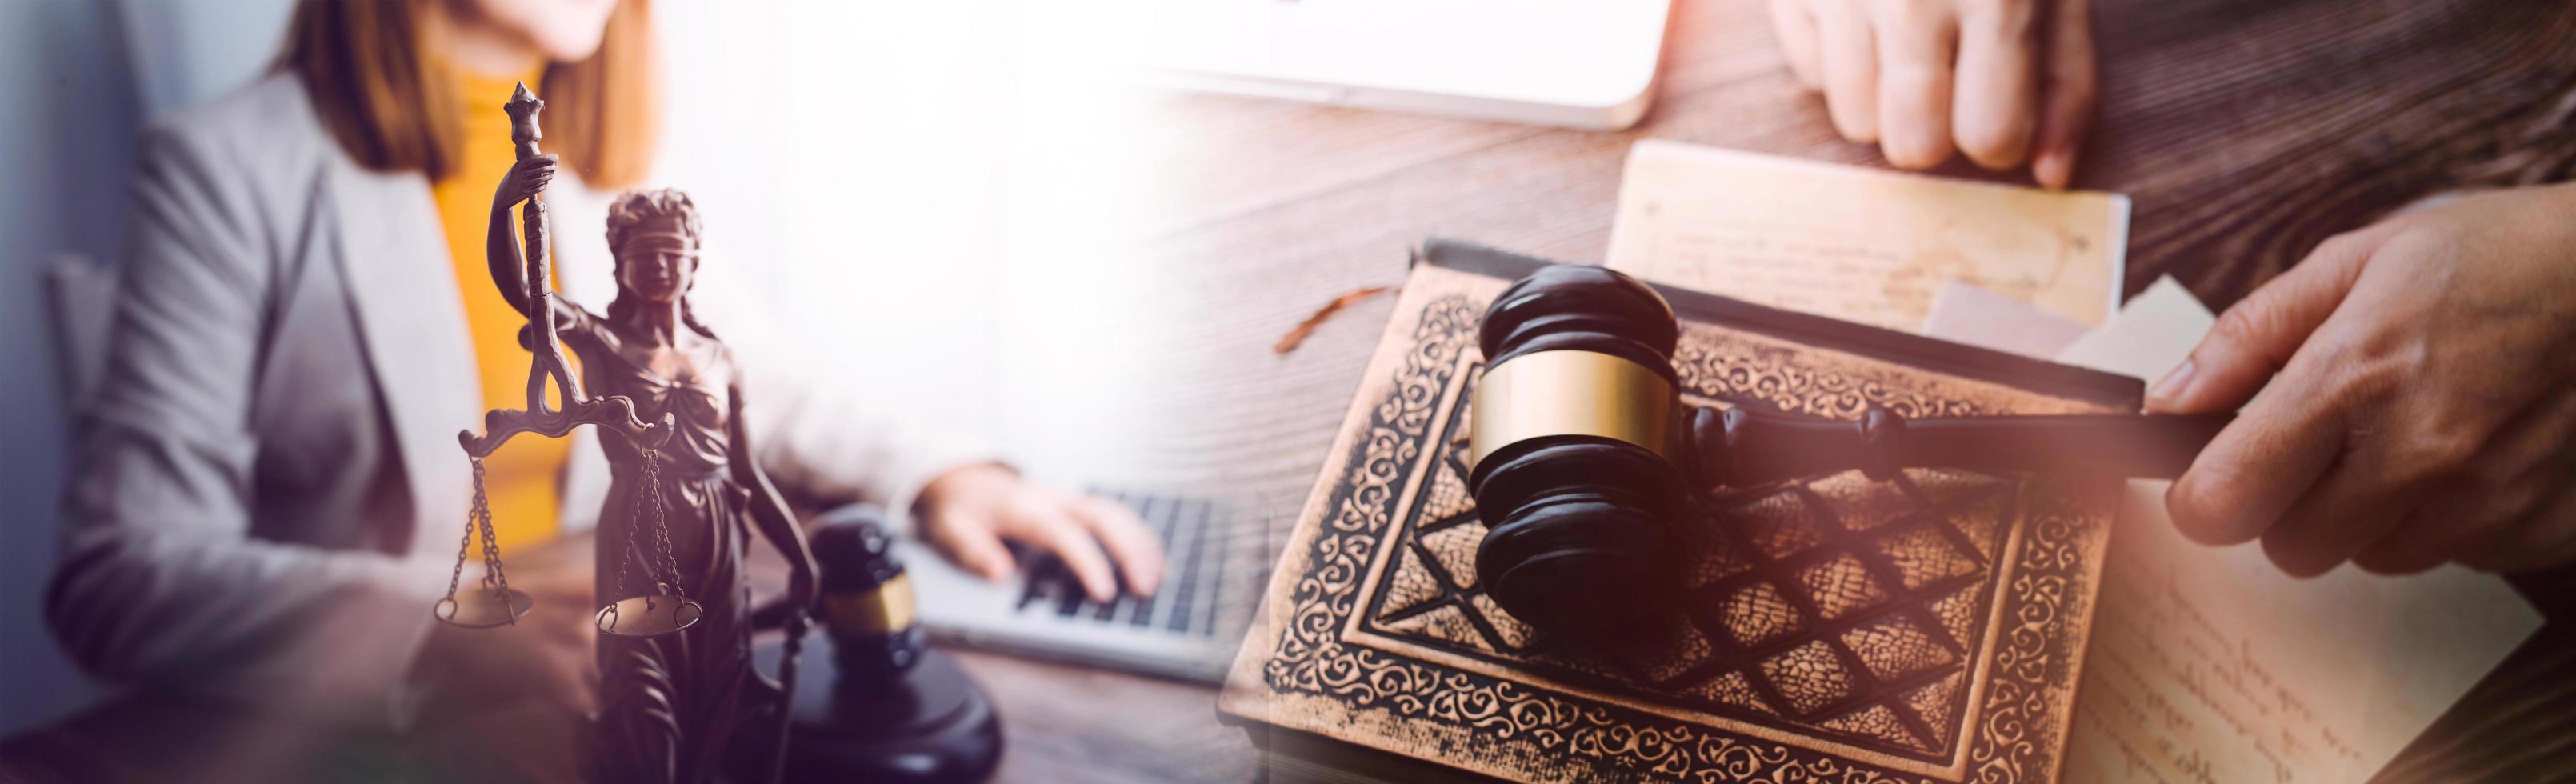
968	512
2004	81
2420	406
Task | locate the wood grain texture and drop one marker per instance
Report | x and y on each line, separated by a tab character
2245	133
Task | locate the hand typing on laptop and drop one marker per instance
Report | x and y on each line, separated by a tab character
969	512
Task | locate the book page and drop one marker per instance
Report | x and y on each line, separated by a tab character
1859	244
2209	665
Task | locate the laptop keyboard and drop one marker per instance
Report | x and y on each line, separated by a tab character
1196	541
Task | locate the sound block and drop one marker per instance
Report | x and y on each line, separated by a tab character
930	724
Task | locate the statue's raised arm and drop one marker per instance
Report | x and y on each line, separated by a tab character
524	273
517	274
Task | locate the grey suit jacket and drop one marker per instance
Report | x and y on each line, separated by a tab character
268	488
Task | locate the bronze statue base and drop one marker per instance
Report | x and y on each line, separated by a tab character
930	724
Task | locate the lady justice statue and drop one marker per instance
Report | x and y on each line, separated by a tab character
680	698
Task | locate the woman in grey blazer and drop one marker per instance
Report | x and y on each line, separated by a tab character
267	487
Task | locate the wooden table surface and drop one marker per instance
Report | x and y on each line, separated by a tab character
2245	133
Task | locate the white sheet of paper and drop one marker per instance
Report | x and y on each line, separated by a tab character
2210	665
1963	313
1861	244
2154	333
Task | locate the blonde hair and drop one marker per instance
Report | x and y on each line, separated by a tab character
373	80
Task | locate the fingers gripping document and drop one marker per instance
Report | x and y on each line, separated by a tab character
1860	244
2210	665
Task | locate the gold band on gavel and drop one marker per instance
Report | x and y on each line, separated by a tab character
1572	393
886	610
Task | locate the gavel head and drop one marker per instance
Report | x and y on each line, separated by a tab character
866	602
1576	448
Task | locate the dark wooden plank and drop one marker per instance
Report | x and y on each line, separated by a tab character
2249	132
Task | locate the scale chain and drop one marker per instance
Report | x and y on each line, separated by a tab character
661	520
635	512
464	544
493	576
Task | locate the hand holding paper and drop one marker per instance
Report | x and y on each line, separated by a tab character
2422	409
2209	664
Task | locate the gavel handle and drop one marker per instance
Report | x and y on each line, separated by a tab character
1741	448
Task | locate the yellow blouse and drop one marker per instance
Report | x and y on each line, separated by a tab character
524	479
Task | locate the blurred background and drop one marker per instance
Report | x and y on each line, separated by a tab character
896	186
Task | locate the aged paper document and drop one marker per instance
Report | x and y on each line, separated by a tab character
2209	665
1859	244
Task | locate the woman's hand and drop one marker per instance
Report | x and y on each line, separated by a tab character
2004	81
528	177
969	511
2420	406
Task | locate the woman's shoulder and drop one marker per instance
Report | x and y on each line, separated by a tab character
268	125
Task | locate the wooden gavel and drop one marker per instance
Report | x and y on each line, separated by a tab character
1583	455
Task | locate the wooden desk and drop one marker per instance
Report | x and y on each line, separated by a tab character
2245	132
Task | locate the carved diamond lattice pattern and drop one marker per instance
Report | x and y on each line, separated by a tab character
1841	606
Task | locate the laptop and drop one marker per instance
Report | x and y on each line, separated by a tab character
1574	63
1188	630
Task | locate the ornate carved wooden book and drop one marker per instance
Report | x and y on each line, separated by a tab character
1835	628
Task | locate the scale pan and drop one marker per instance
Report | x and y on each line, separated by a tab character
482	608
650	615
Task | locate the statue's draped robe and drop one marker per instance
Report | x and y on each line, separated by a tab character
670	705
